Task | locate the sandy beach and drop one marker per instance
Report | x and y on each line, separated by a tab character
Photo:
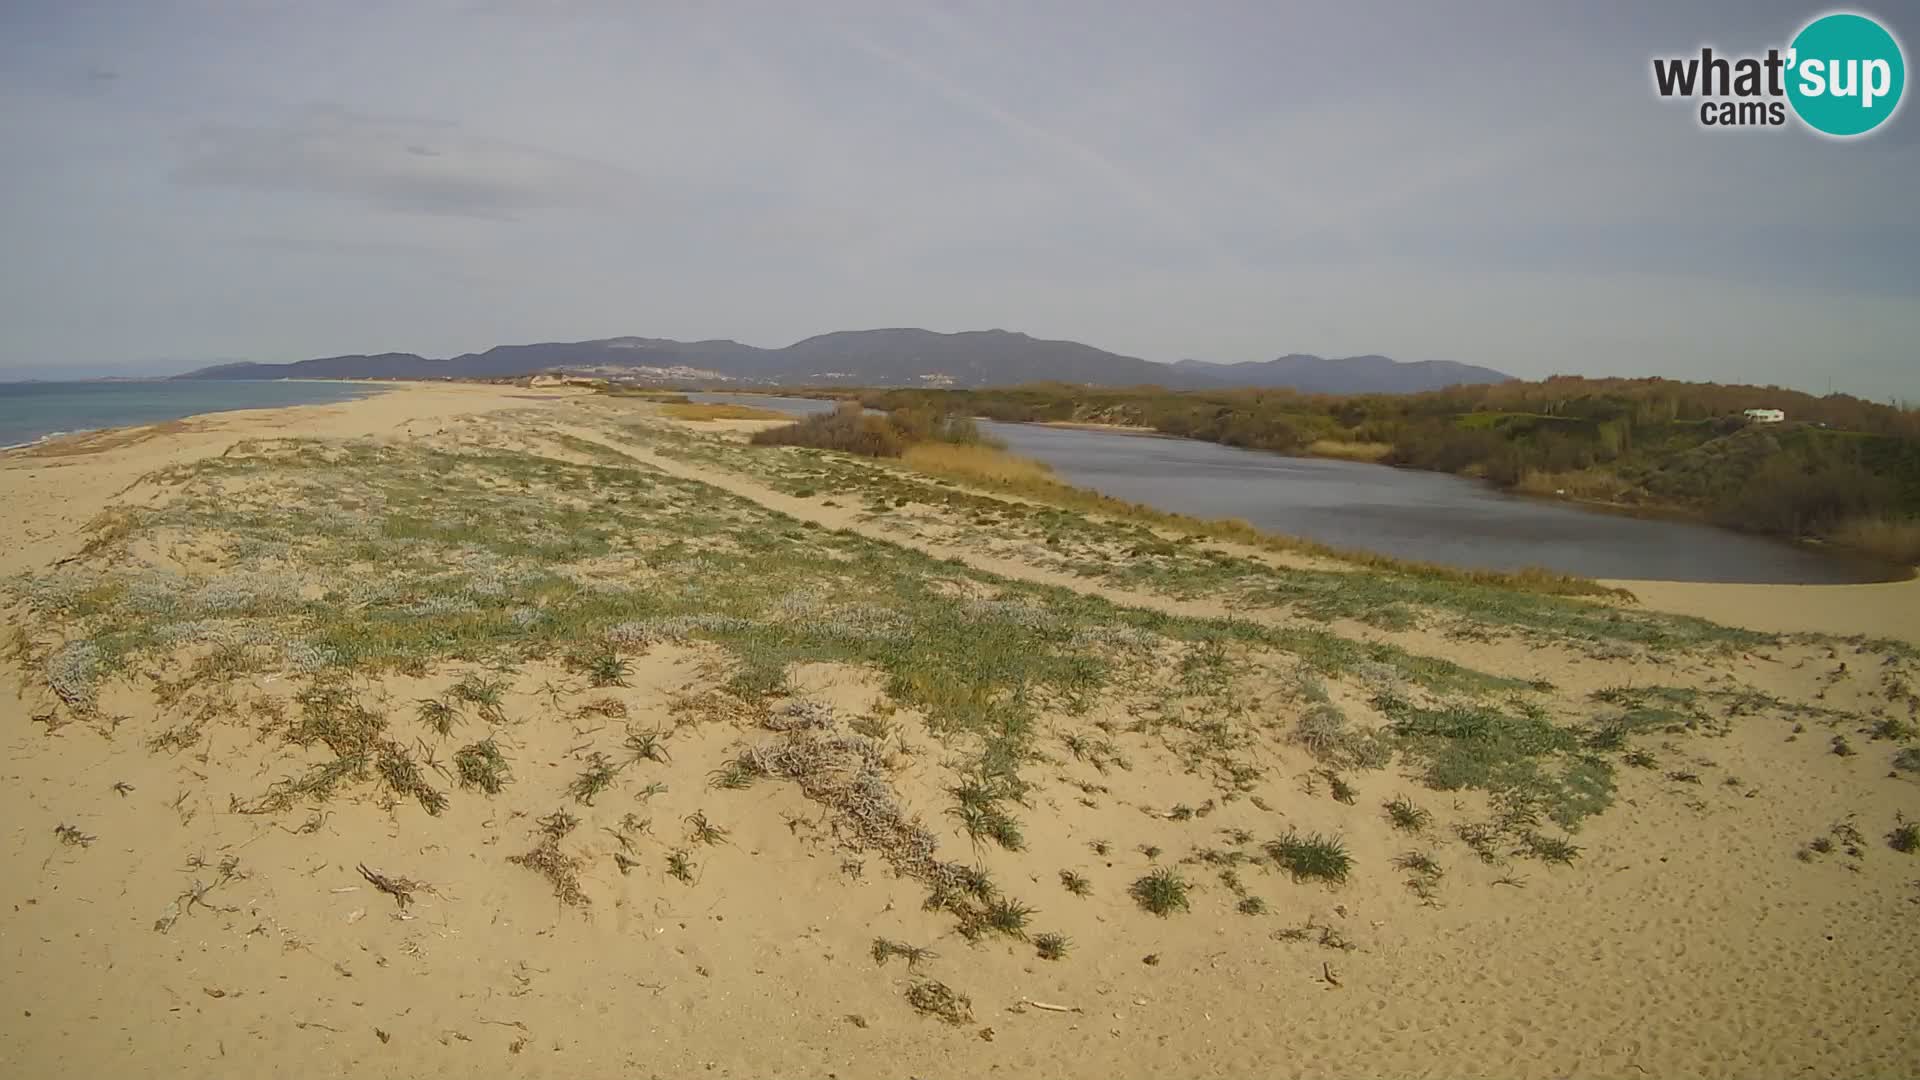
1887	609
477	730
53	488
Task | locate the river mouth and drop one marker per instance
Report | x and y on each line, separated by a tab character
1404	513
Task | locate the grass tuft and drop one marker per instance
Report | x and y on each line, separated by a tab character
1893	728
646	746
438	714
604	669
1007	916
596	778
1418	862
680	866
1406	816
484	694
1905	837
736	775
402	774
1161	892
482	766
1312	857
704	831
1549	849
1051	946
884	950
979	805
1338	787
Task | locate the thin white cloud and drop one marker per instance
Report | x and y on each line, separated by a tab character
396	163
1090	161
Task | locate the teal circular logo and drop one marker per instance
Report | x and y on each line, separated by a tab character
1845	74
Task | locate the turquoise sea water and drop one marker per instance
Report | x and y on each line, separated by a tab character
34	410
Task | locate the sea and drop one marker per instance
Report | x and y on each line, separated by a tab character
31	411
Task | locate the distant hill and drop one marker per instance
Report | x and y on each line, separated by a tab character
1371	374
889	357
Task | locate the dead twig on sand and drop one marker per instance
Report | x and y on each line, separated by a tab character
183	905
1326	969
401	889
72	837
1045	1006
936	998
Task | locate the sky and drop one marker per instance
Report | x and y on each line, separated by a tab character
191	181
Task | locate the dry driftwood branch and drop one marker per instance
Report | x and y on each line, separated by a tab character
401	889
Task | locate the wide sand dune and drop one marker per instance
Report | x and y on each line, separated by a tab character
472	730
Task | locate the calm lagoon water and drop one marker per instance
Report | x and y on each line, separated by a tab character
1407	513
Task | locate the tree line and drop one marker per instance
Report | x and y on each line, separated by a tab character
1836	462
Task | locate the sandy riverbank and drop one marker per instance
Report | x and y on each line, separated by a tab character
1090	425
1883	610
755	709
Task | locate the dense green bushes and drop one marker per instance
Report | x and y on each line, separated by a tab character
1652	442
851	428
1794	495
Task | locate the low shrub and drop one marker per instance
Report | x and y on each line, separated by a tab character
849	427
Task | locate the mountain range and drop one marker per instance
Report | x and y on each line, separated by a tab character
892	357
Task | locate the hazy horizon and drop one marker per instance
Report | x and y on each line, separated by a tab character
203	181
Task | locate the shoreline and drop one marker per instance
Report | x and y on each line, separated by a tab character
49	437
107	430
